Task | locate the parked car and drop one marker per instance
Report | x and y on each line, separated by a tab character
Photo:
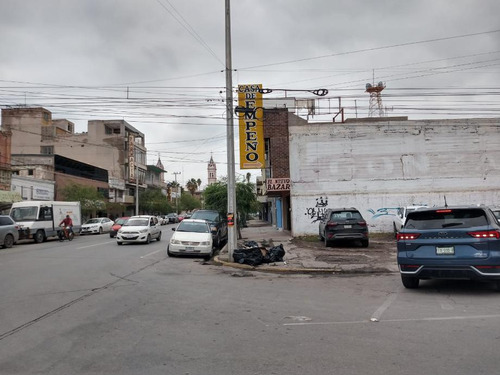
218	224
449	243
142	228
496	212
117	225
9	231
172	218
341	224
99	225
180	218
161	220
191	237
400	219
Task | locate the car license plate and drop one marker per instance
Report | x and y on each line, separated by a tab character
347	226
189	248
445	250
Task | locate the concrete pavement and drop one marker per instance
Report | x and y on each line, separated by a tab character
308	255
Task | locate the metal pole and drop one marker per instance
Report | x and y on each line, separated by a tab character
231	187
176	193
136	189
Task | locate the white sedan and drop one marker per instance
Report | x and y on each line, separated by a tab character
97	225
191	237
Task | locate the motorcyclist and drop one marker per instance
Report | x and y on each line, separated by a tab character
68	225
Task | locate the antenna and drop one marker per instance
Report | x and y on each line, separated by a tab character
375	98
445	203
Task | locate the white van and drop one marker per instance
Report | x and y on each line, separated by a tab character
39	220
400	220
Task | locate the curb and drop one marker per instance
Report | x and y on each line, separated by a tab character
294	270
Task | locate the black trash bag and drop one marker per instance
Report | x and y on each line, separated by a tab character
252	256
250	244
275	254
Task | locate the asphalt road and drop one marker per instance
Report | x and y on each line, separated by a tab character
92	307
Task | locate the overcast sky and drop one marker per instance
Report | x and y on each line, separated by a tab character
159	64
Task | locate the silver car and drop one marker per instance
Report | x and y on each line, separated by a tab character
9	231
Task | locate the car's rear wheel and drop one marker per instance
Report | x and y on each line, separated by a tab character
365	243
497	285
39	236
410	282
327	243
8	241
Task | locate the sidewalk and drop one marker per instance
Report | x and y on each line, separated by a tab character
309	256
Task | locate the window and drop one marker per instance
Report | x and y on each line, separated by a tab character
47	150
30	172
108	130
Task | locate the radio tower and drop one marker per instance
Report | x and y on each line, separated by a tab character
375	99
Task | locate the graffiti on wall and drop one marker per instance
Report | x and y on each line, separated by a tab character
384	211
316	212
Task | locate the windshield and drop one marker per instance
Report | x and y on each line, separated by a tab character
205	215
121	221
136	223
92	221
24	213
193	227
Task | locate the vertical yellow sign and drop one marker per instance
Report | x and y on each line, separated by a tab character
251	126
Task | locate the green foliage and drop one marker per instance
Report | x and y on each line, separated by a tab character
189	203
90	199
246	199
152	201
192	186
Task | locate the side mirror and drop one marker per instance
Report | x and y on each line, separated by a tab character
173	229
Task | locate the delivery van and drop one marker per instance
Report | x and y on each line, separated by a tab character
39	220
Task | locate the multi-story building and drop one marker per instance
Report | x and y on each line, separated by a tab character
273	187
112	145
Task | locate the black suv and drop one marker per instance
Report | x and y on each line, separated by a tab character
340	224
218	224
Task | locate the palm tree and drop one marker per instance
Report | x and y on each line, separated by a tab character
198	181
192	185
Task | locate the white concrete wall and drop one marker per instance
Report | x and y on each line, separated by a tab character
377	167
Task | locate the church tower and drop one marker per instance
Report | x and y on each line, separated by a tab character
212	171
160	165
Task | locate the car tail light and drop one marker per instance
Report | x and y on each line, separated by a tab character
407	236
485	234
488	269
362	223
409	267
332	224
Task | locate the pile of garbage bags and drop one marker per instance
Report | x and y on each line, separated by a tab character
253	255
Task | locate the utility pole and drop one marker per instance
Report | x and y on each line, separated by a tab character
176	193
136	189
231	186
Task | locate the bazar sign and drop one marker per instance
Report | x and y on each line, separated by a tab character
251	127
278	184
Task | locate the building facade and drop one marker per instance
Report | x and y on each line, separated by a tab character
380	164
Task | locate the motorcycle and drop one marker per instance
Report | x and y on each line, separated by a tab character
65	233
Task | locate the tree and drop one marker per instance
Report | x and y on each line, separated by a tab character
153	201
91	201
198	181
189	203
246	200
192	185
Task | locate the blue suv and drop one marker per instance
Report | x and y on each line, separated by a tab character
449	243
